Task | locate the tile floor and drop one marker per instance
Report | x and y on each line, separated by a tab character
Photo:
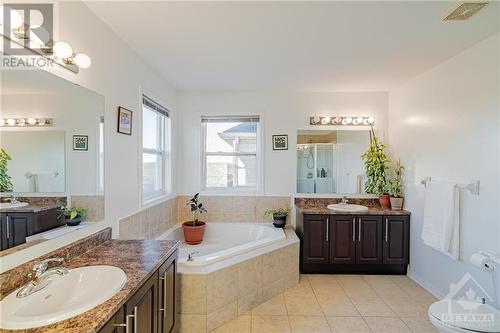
341	304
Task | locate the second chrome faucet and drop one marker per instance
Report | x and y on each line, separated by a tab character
40	276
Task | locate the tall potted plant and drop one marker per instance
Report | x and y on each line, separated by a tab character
395	187
5	179
195	229
376	161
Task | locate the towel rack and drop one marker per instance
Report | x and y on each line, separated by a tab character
473	186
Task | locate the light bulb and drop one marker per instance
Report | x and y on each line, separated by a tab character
326	120
82	60
11	122
348	120
315	120
337	120
359	120
2	122
21	122
41	122
31	121
371	120
62	50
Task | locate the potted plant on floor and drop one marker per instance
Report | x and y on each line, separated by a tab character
278	215
73	216
194	230
376	161
395	187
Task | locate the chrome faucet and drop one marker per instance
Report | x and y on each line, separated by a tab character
344	200
12	198
190	256
40	276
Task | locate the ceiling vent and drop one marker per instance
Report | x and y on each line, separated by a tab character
464	10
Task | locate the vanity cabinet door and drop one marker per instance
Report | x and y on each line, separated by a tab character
315	245
369	240
14	229
45	220
167	277
343	239
4	243
116	324
396	239
142	308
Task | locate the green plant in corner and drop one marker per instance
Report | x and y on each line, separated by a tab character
196	208
5	179
280	212
72	213
375	161
395	184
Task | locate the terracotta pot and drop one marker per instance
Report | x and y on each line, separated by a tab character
193	232
279	221
385	201
397	203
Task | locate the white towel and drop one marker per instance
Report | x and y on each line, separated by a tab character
441	229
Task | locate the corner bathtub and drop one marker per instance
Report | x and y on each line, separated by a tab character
224	240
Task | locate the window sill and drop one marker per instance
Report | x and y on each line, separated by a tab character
157	200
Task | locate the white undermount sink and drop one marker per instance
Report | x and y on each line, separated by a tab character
5	205
347	208
66	296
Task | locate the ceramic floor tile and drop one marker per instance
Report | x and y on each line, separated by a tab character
302	289
348	325
373	308
274	307
337	306
302	306
321	279
270	324
407	307
386	325
239	324
302	324
419	325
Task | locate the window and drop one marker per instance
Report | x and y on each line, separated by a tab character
231	153
156	132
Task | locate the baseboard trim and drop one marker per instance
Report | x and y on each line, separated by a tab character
425	284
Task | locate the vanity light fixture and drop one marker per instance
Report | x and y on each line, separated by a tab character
341	120
62	50
26	122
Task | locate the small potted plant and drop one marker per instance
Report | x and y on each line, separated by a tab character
278	215
376	161
73	216
195	229
395	187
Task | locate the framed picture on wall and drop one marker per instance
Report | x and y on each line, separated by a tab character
124	121
280	142
80	142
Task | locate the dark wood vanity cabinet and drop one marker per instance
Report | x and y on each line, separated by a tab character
15	227
354	243
152	308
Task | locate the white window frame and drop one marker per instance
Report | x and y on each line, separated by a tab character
164	138
239	190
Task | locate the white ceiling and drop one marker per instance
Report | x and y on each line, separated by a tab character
306	46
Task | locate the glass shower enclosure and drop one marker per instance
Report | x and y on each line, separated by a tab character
315	168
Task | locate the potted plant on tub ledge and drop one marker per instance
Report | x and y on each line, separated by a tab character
376	161
73	216
395	187
194	230
278	215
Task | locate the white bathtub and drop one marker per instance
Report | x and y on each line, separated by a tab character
225	240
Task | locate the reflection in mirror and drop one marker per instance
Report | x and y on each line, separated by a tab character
330	161
52	147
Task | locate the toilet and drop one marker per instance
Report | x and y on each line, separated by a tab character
468	317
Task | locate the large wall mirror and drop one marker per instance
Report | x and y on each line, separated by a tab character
52	155
329	161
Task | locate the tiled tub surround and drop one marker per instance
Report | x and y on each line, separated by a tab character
149	222
319	206
138	259
229	288
152	221
94	204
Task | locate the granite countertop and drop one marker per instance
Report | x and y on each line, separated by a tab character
31	208
139	259
372	210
